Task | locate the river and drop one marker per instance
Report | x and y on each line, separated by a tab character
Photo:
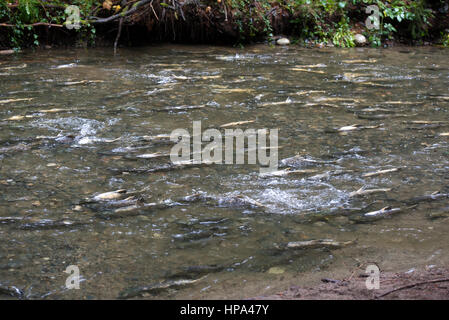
77	123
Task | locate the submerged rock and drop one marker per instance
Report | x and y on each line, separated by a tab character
11	291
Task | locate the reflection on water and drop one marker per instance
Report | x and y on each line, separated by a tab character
77	124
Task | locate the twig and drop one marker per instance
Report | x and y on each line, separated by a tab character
33	25
151	5
225	11
118	34
413	285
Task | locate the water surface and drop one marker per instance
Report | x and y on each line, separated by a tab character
75	123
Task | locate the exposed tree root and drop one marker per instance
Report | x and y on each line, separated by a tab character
412	286
118	34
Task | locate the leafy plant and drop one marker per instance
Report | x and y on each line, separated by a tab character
445	38
343	37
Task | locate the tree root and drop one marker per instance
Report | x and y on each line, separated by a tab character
412	286
120	24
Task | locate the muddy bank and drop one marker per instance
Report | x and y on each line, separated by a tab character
423	284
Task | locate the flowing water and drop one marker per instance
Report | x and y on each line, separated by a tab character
78	123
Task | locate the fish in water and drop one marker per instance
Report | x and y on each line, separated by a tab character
382	212
237	123
441	213
20	117
89	140
288	171
360	61
54	110
72	83
427	198
299	161
18	147
179	108
15	100
112	195
377	110
380	172
379	214
350	128
157	288
356	127
307	70
318	243
328	174
8	220
127	209
42	224
239	202
152	155
319	65
362	191
287	101
195	271
300	93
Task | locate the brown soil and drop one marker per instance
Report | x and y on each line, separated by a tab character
416	285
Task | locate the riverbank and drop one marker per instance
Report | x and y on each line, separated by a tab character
431	283
231	22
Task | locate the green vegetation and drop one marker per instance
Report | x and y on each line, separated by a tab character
23	19
22	22
445	38
325	20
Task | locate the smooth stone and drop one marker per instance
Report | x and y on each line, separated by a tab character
360	39
283	42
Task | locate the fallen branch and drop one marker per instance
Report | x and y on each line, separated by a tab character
121	15
413	285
